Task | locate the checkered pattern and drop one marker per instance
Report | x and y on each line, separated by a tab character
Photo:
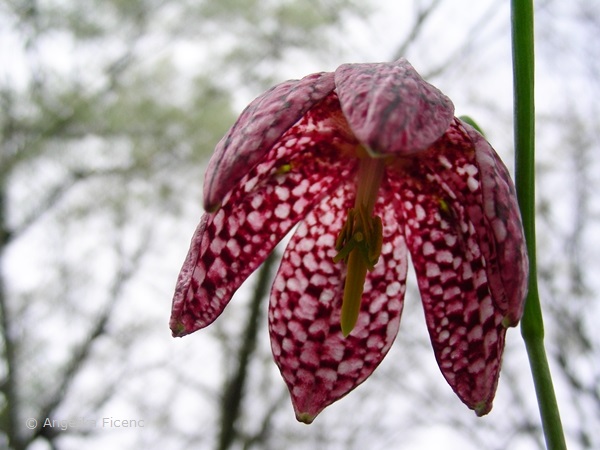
292	158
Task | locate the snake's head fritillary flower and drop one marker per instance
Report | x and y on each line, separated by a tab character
371	164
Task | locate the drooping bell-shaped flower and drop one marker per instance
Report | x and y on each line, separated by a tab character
371	163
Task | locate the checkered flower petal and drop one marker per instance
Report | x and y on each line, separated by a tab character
317	362
269	200
258	128
390	108
459	256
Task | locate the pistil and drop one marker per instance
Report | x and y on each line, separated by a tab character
359	241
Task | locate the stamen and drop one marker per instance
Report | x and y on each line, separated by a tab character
353	289
360	240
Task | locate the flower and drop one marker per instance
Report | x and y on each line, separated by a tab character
371	163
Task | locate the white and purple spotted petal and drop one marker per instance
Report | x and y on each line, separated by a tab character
317	362
258	128
390	108
456	258
501	212
269	200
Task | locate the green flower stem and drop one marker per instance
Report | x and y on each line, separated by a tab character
532	326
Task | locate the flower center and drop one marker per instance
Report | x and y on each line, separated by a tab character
360	239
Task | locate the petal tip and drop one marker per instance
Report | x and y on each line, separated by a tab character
510	321
211	206
305	417
482	408
177	328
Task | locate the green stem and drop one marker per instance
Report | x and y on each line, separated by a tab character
532	326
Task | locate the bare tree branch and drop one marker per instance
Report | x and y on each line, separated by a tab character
127	269
421	19
233	392
9	413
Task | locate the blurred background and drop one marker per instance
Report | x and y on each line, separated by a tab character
109	111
